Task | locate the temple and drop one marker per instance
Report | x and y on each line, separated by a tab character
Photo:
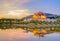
38	15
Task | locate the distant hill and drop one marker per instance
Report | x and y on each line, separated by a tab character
48	15
51	15
27	17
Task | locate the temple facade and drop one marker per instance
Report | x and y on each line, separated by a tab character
38	15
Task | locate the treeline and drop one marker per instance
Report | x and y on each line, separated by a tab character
38	22
18	21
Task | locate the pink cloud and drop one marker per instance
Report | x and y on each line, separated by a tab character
18	1
22	1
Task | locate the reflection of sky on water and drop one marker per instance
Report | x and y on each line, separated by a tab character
12	35
21	35
51	37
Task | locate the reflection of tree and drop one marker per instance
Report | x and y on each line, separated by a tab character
6	26
40	32
36	32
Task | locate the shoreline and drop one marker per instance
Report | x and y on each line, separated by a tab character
30	24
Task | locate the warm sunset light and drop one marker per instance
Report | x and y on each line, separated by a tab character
18	12
29	20
15	13
8	9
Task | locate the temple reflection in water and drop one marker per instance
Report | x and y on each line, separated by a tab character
38	32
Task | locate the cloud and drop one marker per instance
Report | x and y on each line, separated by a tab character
17	1
18	13
21	1
10	5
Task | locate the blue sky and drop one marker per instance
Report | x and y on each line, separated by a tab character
49	6
31	6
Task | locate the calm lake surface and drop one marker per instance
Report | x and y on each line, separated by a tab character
27	34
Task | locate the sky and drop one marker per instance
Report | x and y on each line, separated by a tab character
22	8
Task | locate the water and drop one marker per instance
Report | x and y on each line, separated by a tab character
28	34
